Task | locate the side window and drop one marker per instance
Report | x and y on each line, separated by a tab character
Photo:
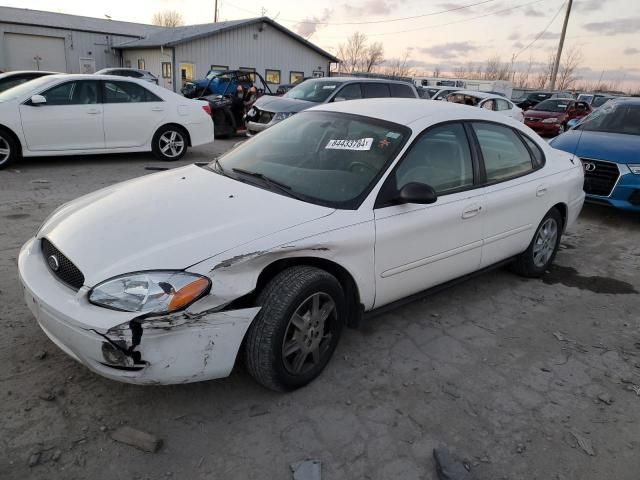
440	158
350	92
127	92
401	91
505	156
81	92
489	104
536	151
503	104
132	73
375	90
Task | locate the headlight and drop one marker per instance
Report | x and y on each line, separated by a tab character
278	117
550	120
150	292
635	168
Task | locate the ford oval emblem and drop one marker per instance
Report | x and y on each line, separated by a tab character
53	262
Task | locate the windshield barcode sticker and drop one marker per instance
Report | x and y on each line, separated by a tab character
358	144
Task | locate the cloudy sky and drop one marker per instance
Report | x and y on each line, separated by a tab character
439	33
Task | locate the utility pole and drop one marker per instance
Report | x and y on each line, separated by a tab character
556	64
215	14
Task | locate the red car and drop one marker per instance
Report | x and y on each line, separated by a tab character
550	117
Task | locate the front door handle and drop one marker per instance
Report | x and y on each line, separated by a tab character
157	109
471	211
93	111
542	189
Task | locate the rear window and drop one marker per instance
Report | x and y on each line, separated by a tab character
401	91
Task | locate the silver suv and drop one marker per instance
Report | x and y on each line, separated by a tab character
130	72
269	110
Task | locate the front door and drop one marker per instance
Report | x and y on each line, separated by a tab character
132	113
186	73
420	246
71	118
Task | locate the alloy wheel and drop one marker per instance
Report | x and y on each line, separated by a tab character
309	332
5	150
171	143
545	242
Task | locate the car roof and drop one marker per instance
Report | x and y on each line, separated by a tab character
360	79
20	72
405	111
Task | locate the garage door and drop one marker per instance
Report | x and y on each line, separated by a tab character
34	52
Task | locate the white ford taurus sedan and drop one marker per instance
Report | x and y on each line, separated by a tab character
85	114
275	246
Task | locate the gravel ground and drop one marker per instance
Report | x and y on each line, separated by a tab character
523	379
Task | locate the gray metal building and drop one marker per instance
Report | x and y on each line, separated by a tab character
261	45
38	40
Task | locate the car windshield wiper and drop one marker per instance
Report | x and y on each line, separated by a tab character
286	189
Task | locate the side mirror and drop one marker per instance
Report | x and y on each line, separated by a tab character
339	99
38	100
415	192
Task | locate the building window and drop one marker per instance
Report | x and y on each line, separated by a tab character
166	69
251	70
272	76
219	68
141	64
127	64
318	74
295	77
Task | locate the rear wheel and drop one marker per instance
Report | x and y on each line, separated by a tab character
170	143
296	332
8	148
535	260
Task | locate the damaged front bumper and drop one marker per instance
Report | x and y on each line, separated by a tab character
197	344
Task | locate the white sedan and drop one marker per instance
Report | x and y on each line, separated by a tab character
336	212
488	101
83	114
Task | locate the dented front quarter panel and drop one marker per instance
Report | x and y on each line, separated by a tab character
345	237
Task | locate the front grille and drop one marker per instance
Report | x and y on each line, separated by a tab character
66	271
599	177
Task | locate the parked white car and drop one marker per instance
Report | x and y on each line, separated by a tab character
341	209
488	101
84	114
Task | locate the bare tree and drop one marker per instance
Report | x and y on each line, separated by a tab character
544	74
567	71
495	69
352	52
374	57
521	78
399	67
168	18
436	71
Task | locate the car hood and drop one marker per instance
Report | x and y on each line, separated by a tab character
614	147
543	114
281	104
169	220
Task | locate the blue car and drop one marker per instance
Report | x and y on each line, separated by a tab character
608	143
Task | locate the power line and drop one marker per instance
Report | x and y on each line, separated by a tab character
431	14
541	33
496	12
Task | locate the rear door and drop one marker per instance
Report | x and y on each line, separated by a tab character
132	113
71	118
515	190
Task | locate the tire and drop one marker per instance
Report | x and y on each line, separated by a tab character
8	149
282	322
162	147
536	259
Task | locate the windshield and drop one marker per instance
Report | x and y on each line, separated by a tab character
328	158
552	106
599	101
313	90
614	118
24	88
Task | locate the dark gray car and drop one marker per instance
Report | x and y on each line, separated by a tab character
269	110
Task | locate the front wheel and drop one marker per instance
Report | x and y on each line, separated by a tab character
535	260
8	149
170	143
296	332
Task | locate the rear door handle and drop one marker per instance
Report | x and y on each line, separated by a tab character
157	109
93	111
542	189
471	211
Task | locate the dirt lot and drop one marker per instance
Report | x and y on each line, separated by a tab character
524	379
